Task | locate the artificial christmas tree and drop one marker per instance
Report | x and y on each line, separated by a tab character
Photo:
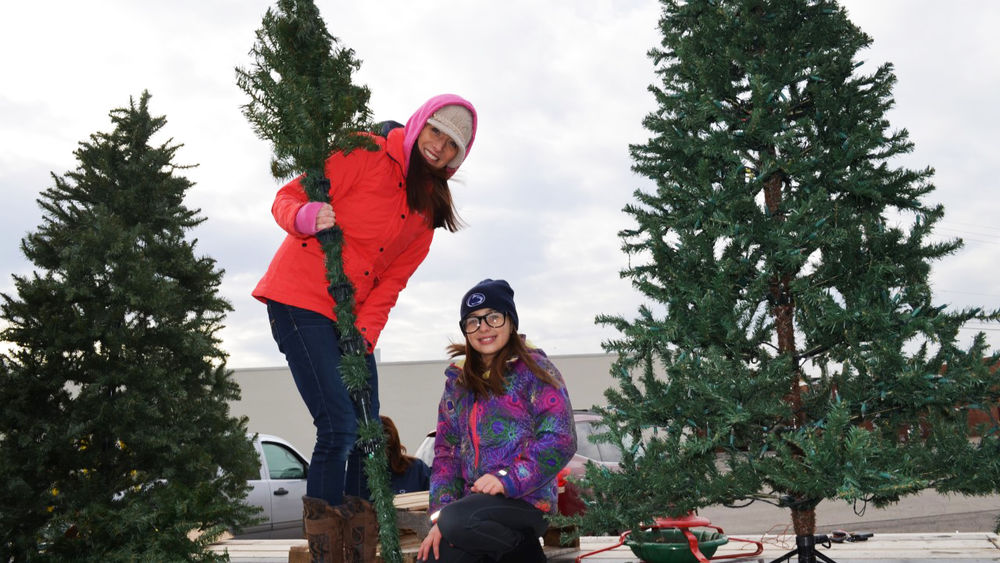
303	101
115	436
791	352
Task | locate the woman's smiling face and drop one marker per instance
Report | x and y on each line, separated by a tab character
436	146
487	339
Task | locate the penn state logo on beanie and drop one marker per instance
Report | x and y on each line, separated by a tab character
490	294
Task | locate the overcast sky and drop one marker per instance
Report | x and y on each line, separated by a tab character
560	87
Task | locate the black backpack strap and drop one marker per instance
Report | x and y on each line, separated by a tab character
385	126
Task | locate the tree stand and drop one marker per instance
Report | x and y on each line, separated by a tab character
805	548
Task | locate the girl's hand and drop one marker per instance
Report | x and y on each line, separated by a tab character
431	543
325	217
488	484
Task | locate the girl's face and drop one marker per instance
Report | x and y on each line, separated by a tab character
436	146
487	339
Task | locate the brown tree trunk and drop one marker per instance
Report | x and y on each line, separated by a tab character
804	521
783	302
783	309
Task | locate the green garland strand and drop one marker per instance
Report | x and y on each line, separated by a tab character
303	101
354	371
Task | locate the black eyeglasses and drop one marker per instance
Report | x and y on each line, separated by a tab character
472	323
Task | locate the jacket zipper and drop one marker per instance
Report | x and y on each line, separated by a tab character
473	418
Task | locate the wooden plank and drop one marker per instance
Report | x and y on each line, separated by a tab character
416	521
412	501
411	513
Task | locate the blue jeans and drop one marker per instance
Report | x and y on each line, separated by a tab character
310	343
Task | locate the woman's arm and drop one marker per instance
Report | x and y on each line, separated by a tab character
289	199
447	483
553	442
374	312
342	171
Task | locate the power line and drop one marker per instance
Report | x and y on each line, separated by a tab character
965	238
987	227
937	290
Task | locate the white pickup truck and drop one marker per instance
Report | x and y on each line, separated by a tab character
278	490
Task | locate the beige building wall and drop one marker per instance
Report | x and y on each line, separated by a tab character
408	391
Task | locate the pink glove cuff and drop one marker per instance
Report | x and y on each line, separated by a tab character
305	219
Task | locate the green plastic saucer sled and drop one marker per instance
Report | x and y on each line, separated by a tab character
669	545
671	540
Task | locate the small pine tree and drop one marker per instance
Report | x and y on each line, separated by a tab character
115	434
791	352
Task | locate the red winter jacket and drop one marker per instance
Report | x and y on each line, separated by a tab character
383	242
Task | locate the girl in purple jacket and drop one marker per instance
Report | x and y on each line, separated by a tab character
505	430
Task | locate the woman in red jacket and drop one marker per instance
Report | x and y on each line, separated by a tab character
388	203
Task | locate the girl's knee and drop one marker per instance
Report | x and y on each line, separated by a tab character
455	523
449	526
334	445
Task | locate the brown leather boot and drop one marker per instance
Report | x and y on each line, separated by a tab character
324	527
360	530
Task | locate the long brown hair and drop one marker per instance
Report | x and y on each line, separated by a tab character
474	369
399	462
427	192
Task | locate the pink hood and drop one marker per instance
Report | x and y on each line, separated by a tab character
417	121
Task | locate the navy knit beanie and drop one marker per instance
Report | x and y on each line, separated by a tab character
493	294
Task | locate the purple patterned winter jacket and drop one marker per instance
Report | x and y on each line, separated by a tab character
524	437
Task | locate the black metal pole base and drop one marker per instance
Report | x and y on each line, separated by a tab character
806	550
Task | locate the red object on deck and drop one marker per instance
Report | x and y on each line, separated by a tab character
569	501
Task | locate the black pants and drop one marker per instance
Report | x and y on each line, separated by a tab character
485	527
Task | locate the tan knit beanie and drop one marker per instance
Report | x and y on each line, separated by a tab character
456	122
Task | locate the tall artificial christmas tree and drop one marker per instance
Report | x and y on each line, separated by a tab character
115	435
303	100
791	351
